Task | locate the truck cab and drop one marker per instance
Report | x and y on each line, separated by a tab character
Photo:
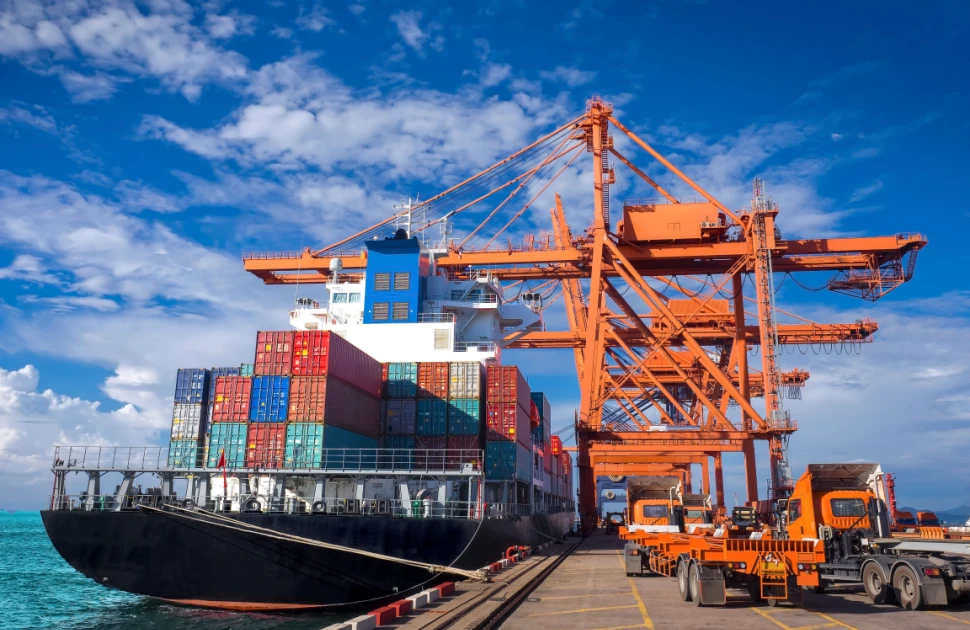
658	504
904	521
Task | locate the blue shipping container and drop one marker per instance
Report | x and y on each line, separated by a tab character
402	380
432	416
231	437
270	399
304	445
507	461
464	416
541	433
183	453
345	449
192	386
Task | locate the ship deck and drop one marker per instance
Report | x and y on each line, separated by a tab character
589	589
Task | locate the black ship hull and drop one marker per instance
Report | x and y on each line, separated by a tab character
166	556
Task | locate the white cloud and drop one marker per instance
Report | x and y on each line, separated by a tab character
409	28
28	268
33	421
230	24
866	191
303	116
164	43
356	9
136	196
85	88
569	75
282	32
493	74
40	120
105	252
316	19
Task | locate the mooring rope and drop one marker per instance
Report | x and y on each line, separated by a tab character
240	526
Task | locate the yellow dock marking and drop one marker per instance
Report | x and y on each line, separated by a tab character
950	617
647	621
584	596
581	610
639	625
833	622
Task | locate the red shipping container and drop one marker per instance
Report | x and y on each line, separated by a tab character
472	447
266	444
430	442
329	400
505	383
547	458
231	402
322	353
274	353
433	380
507	421
534	419
556	446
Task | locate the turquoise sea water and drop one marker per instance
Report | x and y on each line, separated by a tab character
38	589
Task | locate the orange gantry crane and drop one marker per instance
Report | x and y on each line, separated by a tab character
659	376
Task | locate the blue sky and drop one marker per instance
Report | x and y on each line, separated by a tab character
145	146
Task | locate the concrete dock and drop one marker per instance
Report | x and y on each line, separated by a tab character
590	590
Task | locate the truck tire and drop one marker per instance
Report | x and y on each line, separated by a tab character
877	588
754	590
694	578
908	592
683	584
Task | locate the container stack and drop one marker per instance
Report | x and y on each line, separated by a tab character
540	439
508	446
189	415
306	391
399	387
466	428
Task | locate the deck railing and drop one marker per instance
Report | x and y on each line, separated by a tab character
161	458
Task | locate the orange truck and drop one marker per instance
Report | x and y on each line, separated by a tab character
658	504
844	506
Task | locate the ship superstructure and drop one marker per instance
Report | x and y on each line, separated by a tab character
403	308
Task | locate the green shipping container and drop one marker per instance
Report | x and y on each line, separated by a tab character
183	453
231	437
402	380
246	369
432	416
464	416
304	445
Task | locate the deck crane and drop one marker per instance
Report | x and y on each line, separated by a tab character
689	354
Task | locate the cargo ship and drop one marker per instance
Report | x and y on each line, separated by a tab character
373	448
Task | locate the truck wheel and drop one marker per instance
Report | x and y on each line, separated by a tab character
909	593
695	584
682	581
754	590
877	589
820	589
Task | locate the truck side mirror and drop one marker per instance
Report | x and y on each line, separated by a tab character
782	505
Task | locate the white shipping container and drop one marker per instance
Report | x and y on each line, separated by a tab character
465	380
187	421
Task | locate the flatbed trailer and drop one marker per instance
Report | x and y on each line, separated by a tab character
707	563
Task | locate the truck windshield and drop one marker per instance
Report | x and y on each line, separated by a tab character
906	521
927	521
848	507
654	511
694	514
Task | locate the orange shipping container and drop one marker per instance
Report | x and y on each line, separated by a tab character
433	380
556	446
266	444
505	383
507	422
331	401
274	353
231	401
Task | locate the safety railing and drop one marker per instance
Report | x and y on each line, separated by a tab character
475	297
175	458
436	318
261	504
